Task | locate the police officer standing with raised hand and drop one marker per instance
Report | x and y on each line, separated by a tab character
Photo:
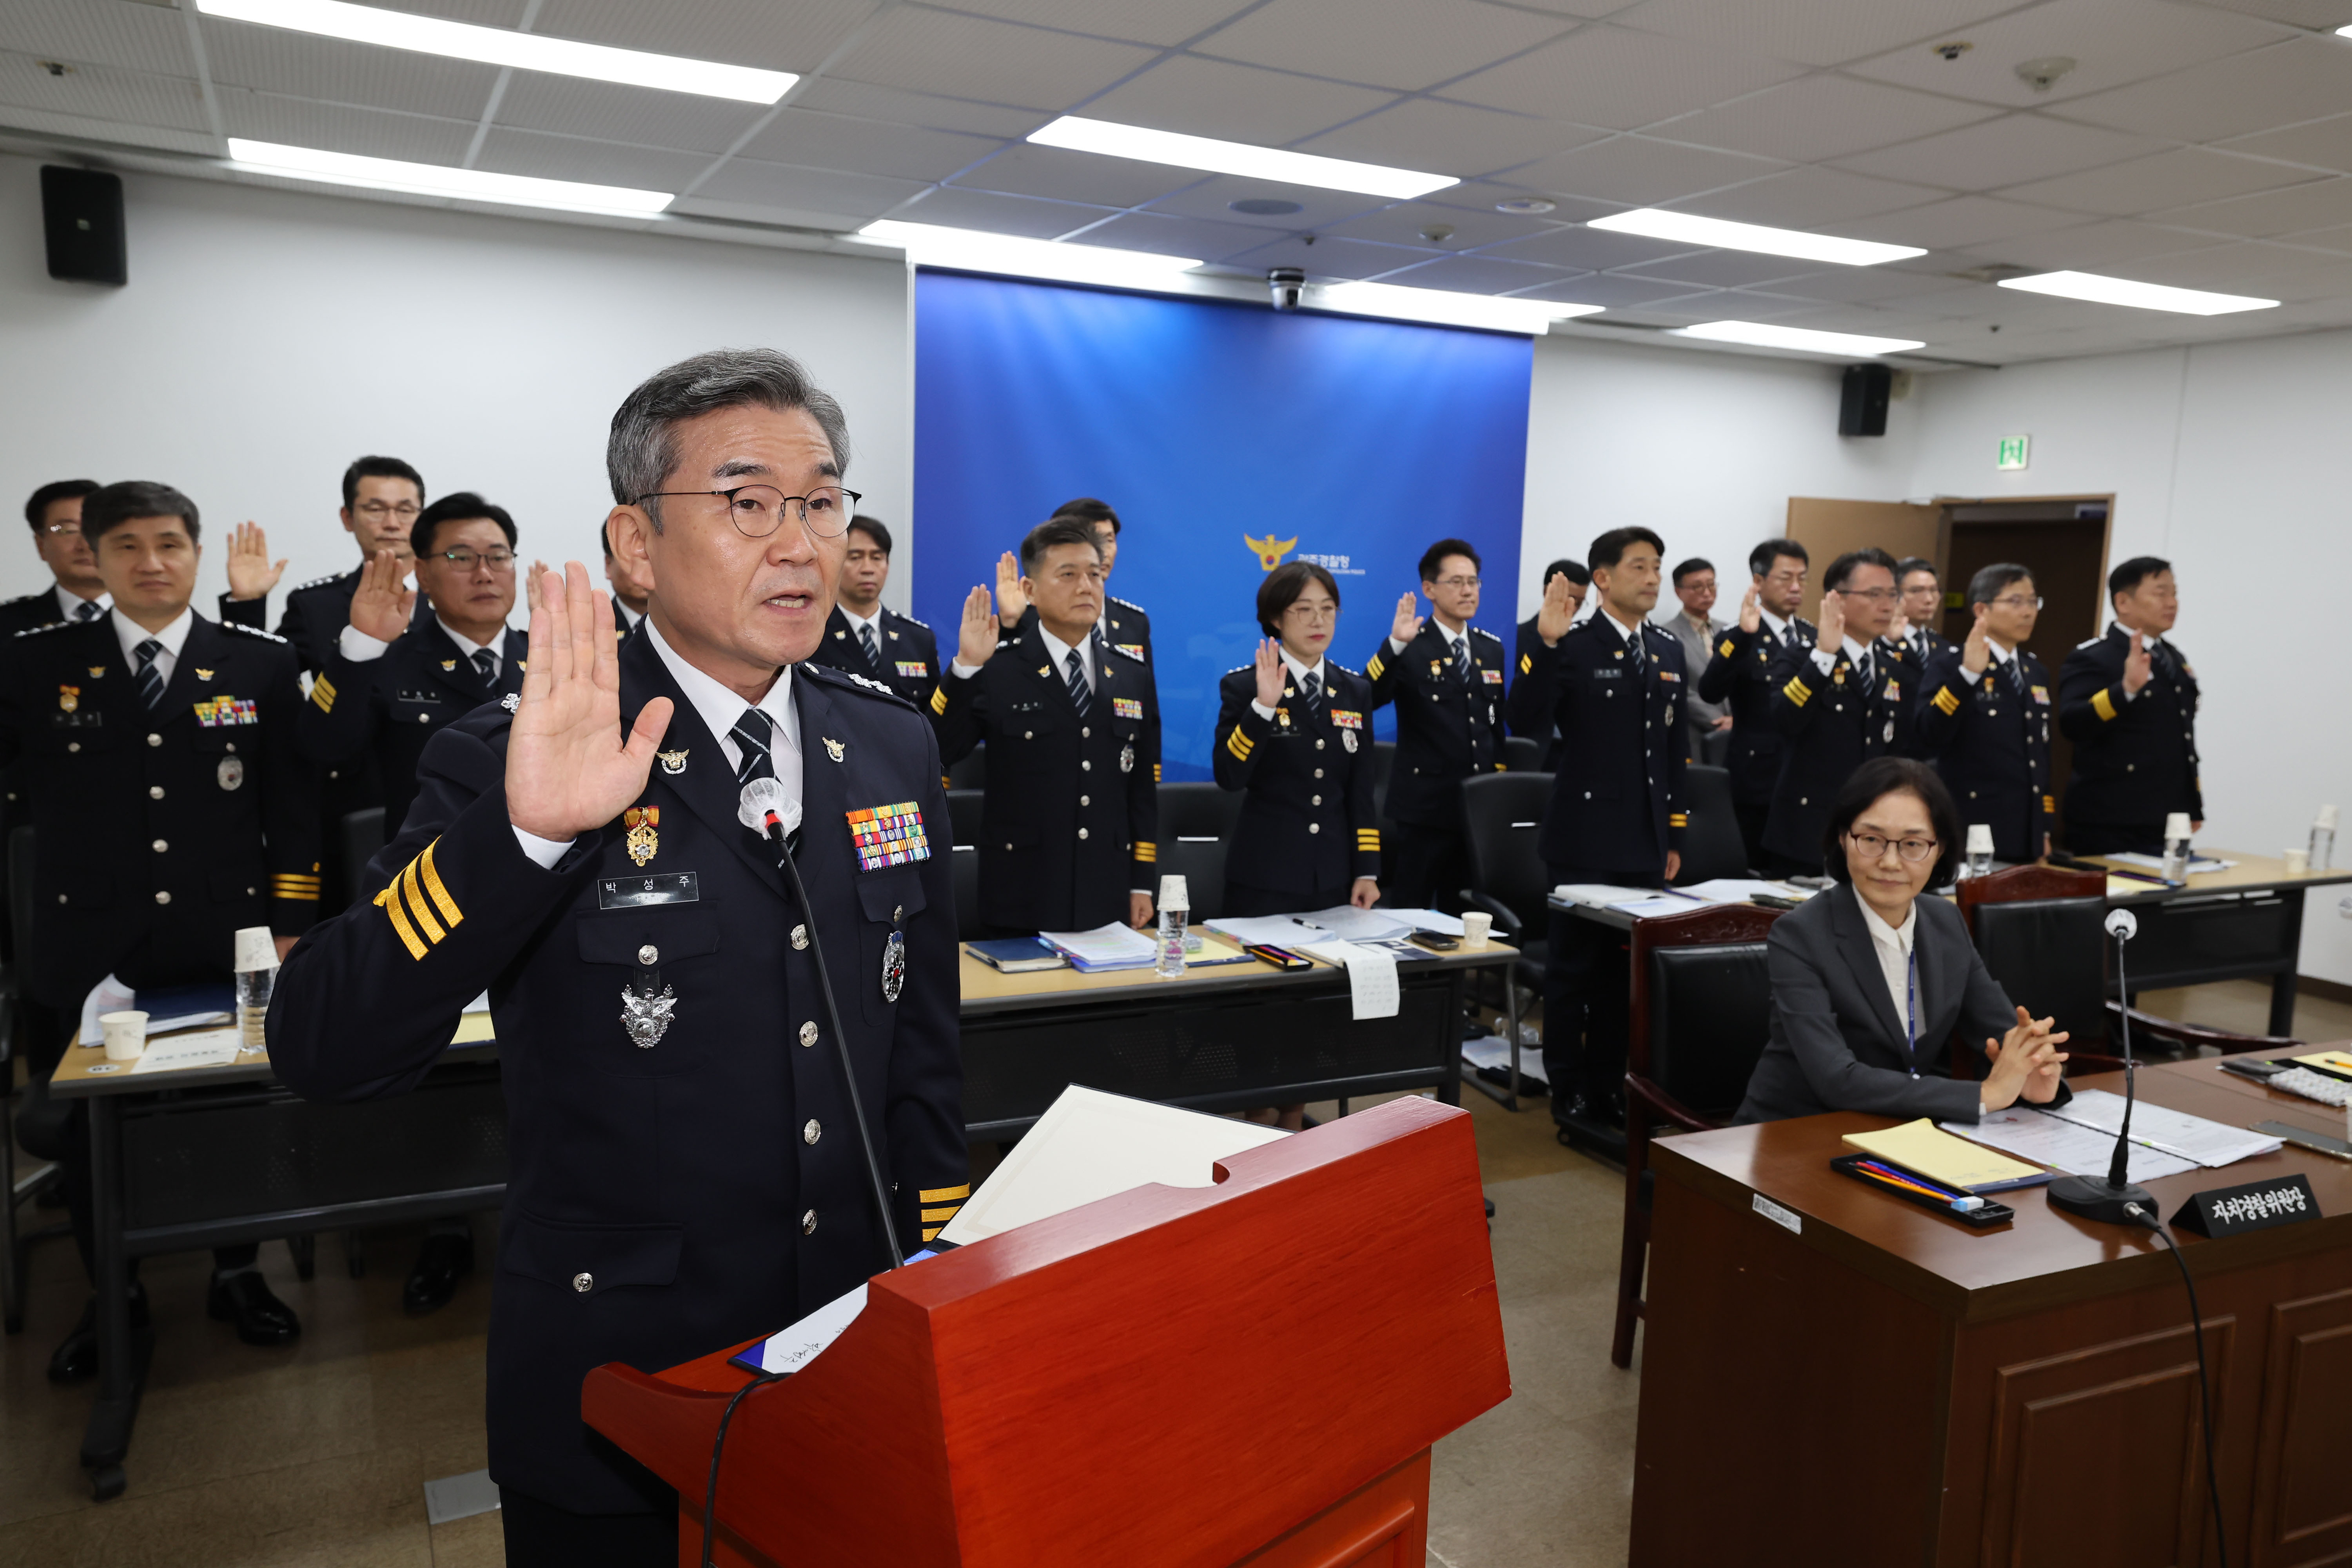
1615	685
1983	716
685	1171
383	497
1920	606
2128	702
867	638
1740	675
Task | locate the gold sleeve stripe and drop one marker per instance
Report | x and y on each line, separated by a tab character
1240	745
322	692
441	899
940	698
944	1194
1725	648
940	1214
417	907
1155	773
1947	701
389	900
931	1232
1678	818
1527	662
1374	668
1797	692
1146	854
2102	703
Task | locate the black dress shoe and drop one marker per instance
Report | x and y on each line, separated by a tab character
246	1301
441	1262
75	1358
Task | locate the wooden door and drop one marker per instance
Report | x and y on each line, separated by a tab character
1827	528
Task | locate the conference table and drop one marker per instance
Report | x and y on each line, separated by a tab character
1827	1364
212	1155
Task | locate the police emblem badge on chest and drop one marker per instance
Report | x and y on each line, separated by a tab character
1127	758
646	1017
231	773
644	841
893	967
673	762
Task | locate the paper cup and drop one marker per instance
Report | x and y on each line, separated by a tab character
1477	926
256	949
2327	819
1172	892
1980	839
126	1035
2176	826
2297	860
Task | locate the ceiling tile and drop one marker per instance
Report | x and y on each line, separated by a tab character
857	196
959	209
1595	249
340	128
1962	220
1213	197
2171	179
1328	257
1206	238
1239	103
1481	196
2323	143
1723	268
1611	293
38	123
780	34
1816	33
100	33
1402	225
1160	21
545	157
971	57
103	93
610	111
869	102
1863	284
1448	138
2324	15
2339	240
2266	271
1618	77
2304	78
1820	117
1406	44
1477	275
1641	172
2112	41
2087	247
1807	197
1062	175
327	71
2299	208
1996	152
819	141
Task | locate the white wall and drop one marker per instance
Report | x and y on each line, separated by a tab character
1705	448
266	338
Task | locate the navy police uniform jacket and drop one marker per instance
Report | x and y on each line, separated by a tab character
1990	741
1832	727
26	615
1740	674
1307	824
389	708
689	1186
1617	803
2135	756
1070	819
316	613
1125	627
910	655
163	831
1447	728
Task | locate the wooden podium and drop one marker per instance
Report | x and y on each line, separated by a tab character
1252	1371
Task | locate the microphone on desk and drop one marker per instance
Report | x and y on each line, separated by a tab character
765	808
2116	1200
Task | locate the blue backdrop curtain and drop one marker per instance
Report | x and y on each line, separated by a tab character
1208	426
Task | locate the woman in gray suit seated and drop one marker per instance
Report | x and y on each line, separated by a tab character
1869	977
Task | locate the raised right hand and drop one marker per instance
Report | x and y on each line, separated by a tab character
383	601
1557	611
1270	673
1009	600
250	573
1832	634
1751	608
2138	665
1407	625
976	637
1977	652
569	769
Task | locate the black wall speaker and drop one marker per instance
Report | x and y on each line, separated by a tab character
1862	405
82	214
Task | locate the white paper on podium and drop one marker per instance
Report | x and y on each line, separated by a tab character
1371	975
798	1345
1089	1146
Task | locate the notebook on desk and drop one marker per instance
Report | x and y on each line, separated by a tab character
1925	1149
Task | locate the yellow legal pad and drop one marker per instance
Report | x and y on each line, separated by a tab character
1928	1150
2333	1060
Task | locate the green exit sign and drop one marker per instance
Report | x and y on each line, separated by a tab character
2012	451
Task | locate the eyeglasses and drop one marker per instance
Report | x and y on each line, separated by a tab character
2019	601
1457	582
377	511
1873	847
60	531
1876	595
464	559
758	510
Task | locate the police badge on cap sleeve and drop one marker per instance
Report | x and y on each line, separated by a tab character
231	773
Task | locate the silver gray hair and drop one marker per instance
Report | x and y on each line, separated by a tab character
642	448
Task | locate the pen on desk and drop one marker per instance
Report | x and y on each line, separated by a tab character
1964	1203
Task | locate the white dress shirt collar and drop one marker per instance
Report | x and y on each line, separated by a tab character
467	647
856	620
69	603
175	637
1854	651
1059	652
719	708
1299	672
1631	633
1779	624
1893	945
2001	655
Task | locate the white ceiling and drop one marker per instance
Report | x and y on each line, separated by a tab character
2204	144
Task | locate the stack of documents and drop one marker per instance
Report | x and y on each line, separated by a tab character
2079	1136
1919	1148
1601	894
1111	946
1741	889
2197	864
167	1007
2025	1131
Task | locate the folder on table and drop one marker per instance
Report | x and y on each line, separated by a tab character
1925	1149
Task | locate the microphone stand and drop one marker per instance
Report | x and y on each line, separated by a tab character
2115	1201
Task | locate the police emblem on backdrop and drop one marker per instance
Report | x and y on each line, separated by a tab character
645	843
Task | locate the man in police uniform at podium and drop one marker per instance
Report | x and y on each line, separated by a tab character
684	1171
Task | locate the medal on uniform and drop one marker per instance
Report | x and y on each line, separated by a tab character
448	663
673	762
231	773
832	747
893	967
1127	758
204	674
1348	739
69	698
641	821
512	701
646	1017
97	670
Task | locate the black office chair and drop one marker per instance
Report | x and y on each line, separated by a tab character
971	773
1522	754
1197	810
42	1124
1712	846
361	841
1504	813
963	868
963	816
1202	864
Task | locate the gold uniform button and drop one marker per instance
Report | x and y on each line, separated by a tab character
1319	744
584	1283
808	1223
811	1132
154	791
808	1032
1085	800
160	846
799	938
163	895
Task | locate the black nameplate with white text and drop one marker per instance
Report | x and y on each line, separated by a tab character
2257	1206
636	892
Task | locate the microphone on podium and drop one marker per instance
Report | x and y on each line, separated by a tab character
765	808
2114	1200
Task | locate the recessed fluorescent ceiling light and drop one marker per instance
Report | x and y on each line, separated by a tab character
1691	229
436	180
1764	336
1236	158
2145	296
503	47
1533	316
975	251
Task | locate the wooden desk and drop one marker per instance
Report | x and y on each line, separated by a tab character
1890	1387
2246	923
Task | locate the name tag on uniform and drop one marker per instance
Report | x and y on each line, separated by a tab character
419	695
636	892
1126	707
889	835
915	670
1607	671
217	713
1346	720
2041	696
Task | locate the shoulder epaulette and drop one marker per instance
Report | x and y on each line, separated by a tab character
1344	670
1131	603
862	682
1482	632
242	630
924	624
1236	669
49	626
317	582
25	598
2091	642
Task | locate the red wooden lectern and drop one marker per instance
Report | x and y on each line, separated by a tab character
1250	1371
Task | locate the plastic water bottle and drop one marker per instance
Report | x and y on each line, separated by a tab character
1175	904
1980	850
2176	847
256	976
2323	837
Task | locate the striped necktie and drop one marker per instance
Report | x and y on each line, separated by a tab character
88	610
873	646
1081	694
2015	665
149	677
1635	654
754	735
486	664
1463	665
1310	687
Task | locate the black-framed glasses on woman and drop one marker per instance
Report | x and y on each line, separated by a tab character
1873	847
758	510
